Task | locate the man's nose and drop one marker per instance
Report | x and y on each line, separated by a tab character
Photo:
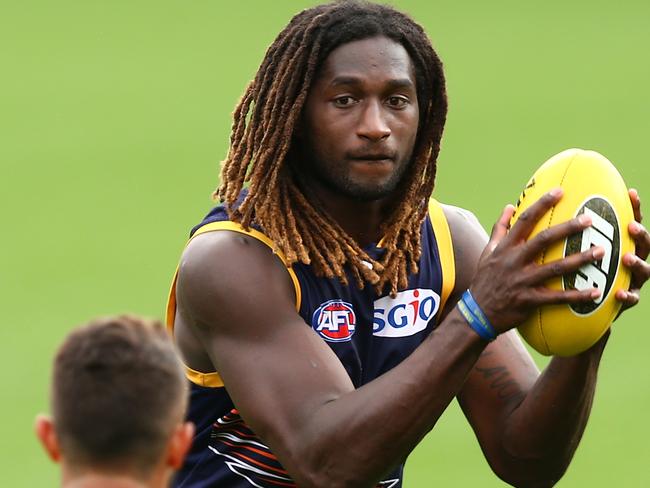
372	124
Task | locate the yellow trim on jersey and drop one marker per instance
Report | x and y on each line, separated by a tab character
170	314
445	250
213	379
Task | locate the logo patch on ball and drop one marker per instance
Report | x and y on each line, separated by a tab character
604	233
334	321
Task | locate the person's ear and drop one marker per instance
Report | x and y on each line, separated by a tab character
44	429
179	444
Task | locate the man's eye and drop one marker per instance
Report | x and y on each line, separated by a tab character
344	101
398	102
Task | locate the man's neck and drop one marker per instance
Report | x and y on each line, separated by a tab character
109	480
105	481
361	220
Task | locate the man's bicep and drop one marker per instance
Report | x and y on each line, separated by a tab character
242	309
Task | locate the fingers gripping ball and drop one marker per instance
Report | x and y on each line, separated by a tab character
592	186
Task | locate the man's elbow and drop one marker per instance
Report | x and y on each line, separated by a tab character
531	473
320	464
319	478
329	472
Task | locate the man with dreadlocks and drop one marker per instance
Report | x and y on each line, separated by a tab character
321	308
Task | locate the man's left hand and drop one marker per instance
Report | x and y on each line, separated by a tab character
636	262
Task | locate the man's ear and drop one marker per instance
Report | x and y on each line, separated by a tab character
44	429
179	444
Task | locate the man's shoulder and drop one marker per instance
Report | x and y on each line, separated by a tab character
223	248
458	216
468	240
463	224
223	270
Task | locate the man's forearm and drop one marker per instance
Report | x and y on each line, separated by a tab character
545	429
382	421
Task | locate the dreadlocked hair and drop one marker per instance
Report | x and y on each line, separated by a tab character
264	122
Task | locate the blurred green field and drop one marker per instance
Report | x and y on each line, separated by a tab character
114	116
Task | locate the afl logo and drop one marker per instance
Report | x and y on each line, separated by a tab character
334	321
600	274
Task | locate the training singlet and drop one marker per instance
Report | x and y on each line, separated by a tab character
370	334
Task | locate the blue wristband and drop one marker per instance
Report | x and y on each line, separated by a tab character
475	317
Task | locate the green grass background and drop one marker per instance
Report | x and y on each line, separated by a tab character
115	114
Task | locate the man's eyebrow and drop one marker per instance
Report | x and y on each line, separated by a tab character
353	80
346	80
401	83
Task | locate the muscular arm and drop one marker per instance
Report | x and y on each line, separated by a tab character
528	424
289	386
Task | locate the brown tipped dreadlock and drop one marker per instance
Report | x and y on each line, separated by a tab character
263	128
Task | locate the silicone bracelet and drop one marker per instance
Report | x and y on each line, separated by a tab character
475	317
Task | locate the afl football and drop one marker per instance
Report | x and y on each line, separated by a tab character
591	186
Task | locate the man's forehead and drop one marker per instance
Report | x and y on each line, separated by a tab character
372	56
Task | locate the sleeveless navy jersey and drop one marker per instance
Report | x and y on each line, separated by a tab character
370	334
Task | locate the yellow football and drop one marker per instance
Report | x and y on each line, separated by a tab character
593	186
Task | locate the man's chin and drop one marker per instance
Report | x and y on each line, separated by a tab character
360	190
368	193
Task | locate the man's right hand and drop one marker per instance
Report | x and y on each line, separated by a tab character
509	284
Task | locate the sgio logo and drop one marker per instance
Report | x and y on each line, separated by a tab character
406	314
334	321
604	233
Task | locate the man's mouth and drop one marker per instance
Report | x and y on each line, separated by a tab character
373	157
